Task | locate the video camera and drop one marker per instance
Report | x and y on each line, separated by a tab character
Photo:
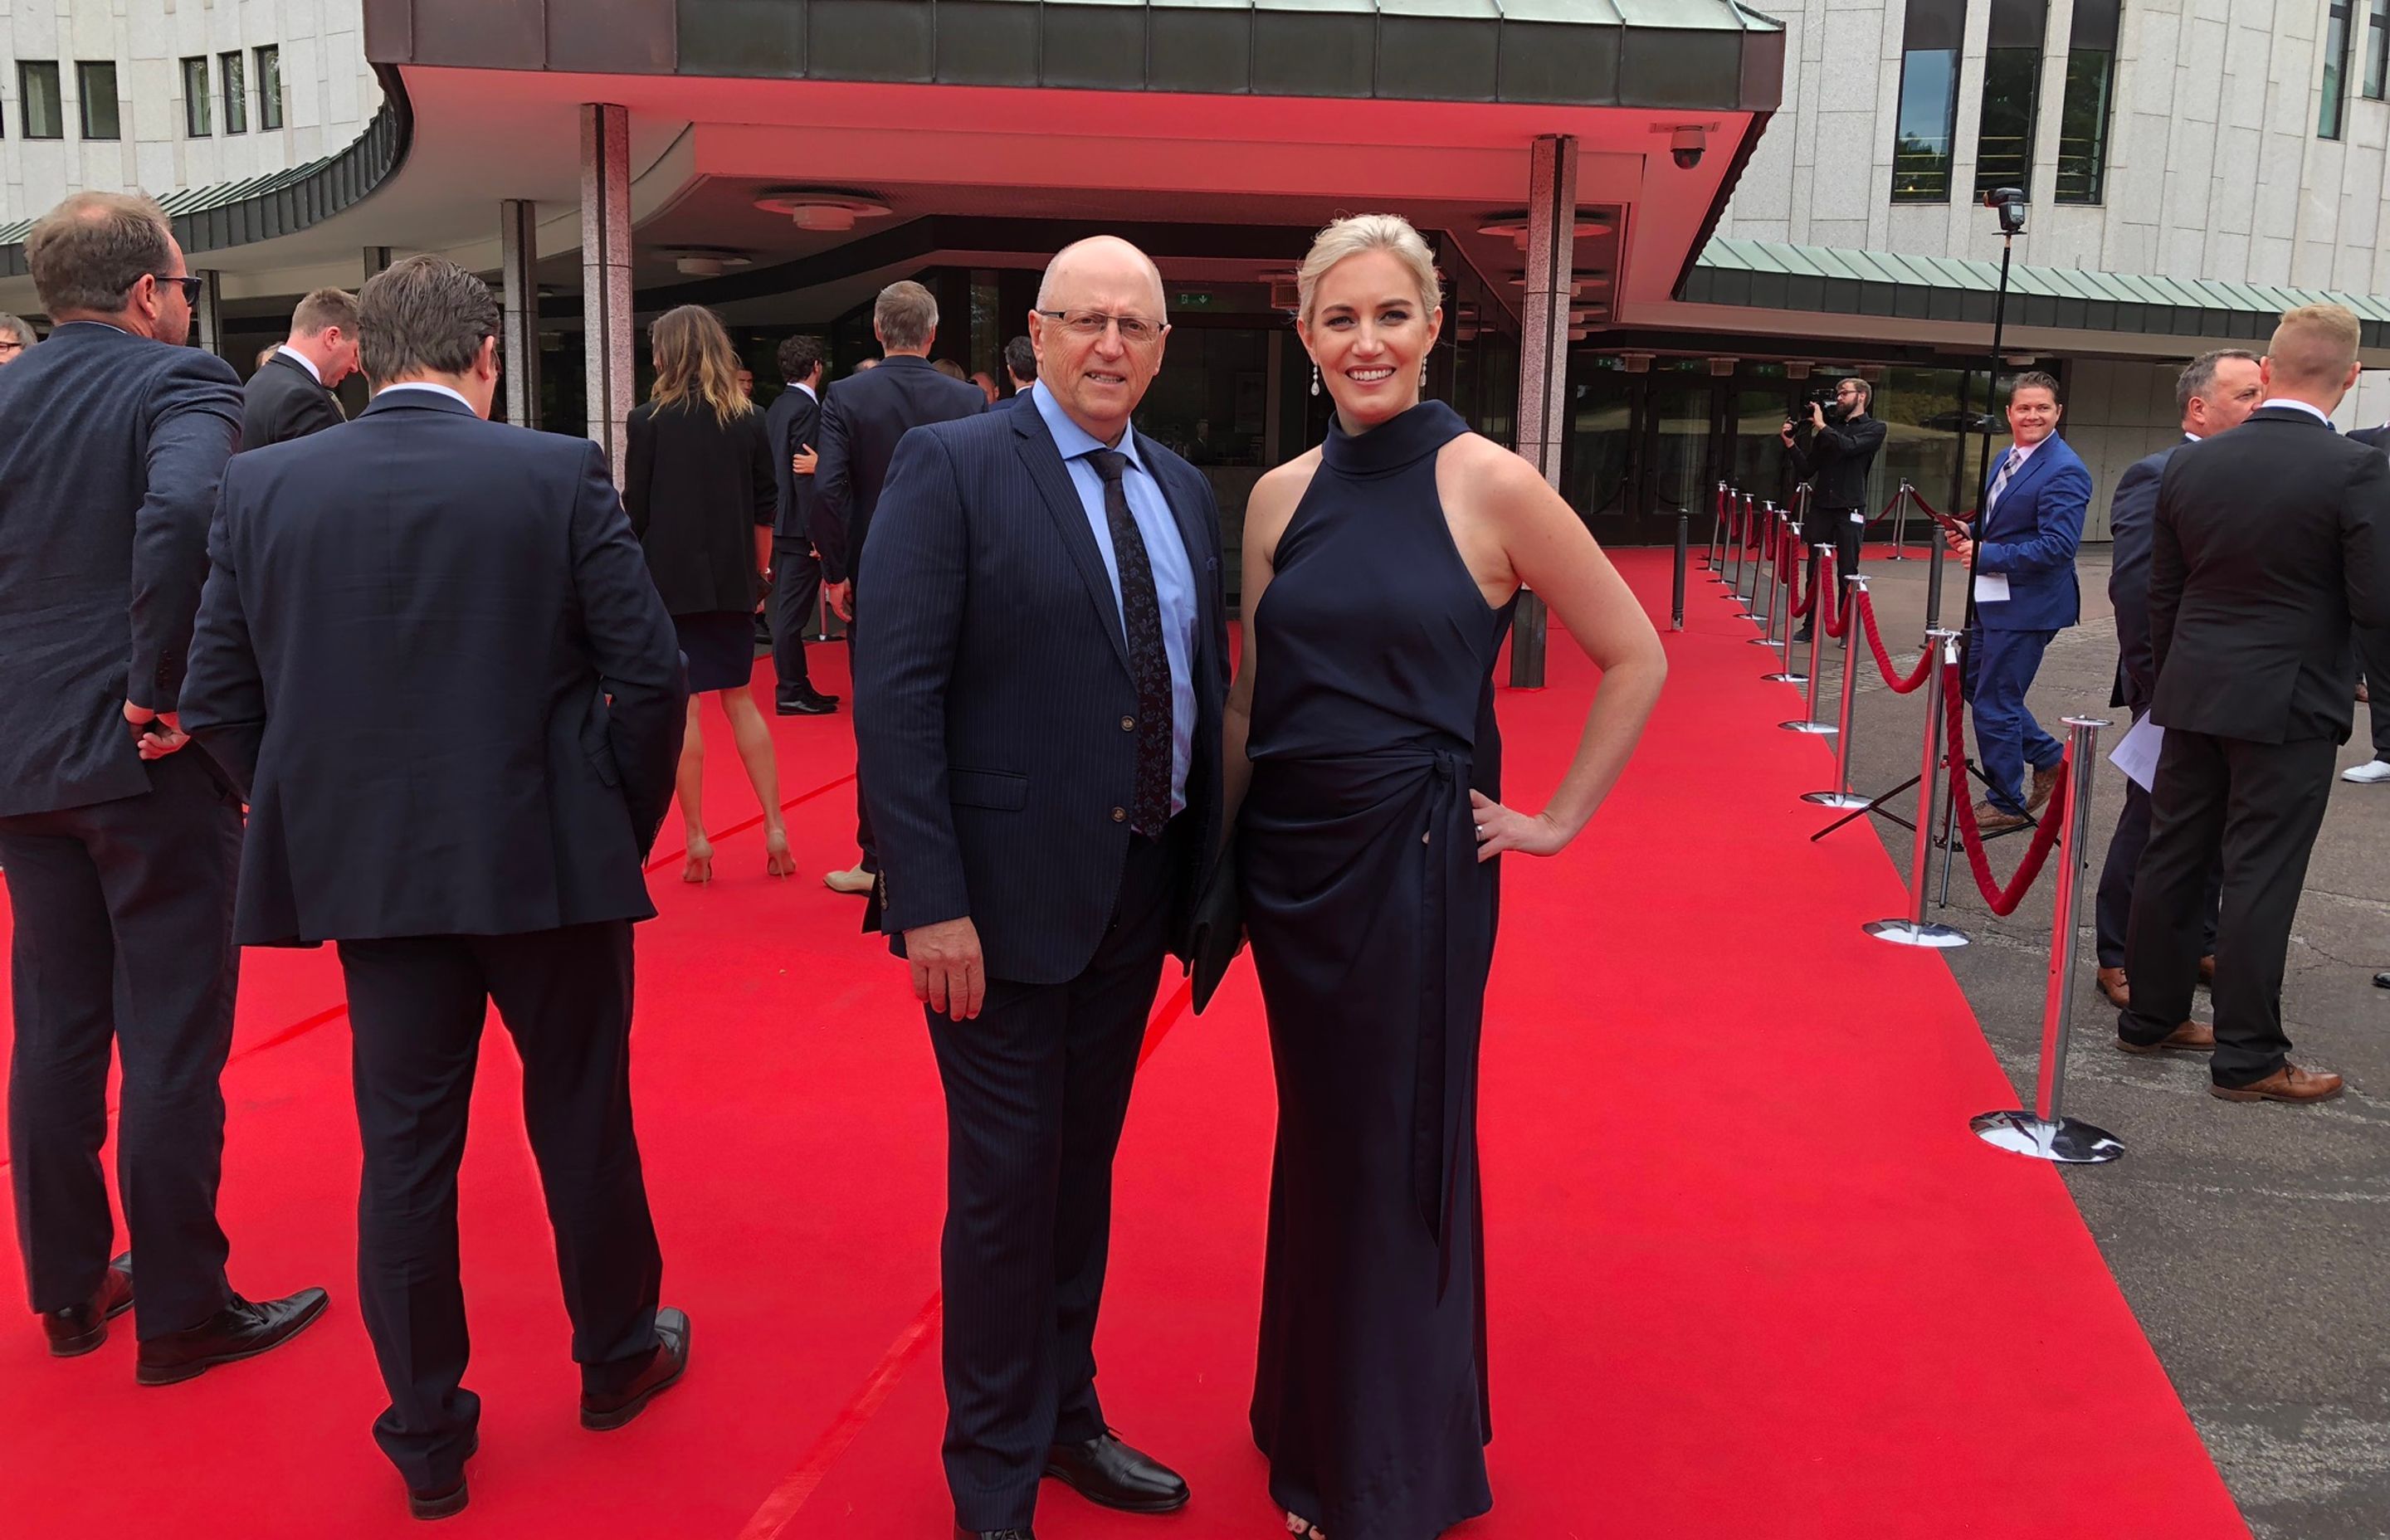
1823	399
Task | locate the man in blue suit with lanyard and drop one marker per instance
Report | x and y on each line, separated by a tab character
2024	563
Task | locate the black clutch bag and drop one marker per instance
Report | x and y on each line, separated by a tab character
1217	931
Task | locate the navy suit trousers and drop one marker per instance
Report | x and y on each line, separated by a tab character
2000	668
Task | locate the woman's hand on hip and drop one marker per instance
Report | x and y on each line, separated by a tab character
1500	828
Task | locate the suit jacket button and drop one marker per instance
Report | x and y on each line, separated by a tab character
1128	724
1120	814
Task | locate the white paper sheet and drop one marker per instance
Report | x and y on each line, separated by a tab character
1991	587
2137	752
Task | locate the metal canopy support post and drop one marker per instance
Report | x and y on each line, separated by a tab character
207	316
1543	355
606	272
375	260
517	253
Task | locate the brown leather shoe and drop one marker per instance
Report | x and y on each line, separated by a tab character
2288	1083
2189	1037
2113	985
2044	783
1996	820
2207	971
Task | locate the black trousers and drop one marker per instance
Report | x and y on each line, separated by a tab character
864	841
796	595
2373	657
1836	527
2263	802
416	1009
124	942
1036	1090
2117	873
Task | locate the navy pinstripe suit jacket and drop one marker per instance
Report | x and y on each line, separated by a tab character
990	701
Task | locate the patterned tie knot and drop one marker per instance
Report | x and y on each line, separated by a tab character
1111	464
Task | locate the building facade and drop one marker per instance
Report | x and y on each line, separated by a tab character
2191	167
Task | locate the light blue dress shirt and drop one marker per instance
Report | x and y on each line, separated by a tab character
1165	551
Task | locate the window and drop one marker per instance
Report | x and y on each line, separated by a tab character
37	92
2377	51
96	84
269	88
2011	95
235	92
2090	94
195	97
2336	39
1929	101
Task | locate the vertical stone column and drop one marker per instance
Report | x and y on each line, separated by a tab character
606	272
207	316
375	261
519	347
1543	355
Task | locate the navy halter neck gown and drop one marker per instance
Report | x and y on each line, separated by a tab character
1372	927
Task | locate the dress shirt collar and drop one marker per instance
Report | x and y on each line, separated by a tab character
305	363
457	396
2020	453
801	385
1075	442
2309	407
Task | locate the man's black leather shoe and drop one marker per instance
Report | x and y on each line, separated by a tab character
603	1414
807	702
80	1328
443	1502
962	1533
239	1330
1105	1471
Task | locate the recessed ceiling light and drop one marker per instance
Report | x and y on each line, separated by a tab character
819	208
1589	227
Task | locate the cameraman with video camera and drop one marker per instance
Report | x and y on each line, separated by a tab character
1833	450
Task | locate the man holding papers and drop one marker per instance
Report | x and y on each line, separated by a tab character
2266	544
2024	560
2216	391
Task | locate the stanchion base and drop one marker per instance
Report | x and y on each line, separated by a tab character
1838	798
1784	678
1765	641
2068	1140
1906	932
1815	729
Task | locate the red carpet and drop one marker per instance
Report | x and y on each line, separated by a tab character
1751	1274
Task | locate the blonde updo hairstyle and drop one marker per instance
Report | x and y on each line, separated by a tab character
1357	234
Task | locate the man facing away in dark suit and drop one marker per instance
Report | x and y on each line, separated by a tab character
2214	393
2022	557
1040	740
430	627
2374	661
291	394
120	844
2268	543
862	418
791	424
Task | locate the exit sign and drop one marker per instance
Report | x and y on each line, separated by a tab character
1195	299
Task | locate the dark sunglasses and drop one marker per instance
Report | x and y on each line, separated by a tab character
190	286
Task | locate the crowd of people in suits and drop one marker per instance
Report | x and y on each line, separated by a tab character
1059	784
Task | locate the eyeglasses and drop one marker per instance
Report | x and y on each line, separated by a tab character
190	286
1135	331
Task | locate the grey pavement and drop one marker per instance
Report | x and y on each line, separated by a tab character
2252	1241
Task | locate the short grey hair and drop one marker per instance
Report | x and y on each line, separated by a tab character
906	315
23	328
2199	375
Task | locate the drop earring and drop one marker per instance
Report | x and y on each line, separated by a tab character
1314	378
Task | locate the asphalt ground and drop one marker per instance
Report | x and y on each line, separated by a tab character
2252	1241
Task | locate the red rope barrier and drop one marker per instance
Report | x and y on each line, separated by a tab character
2003	900
1751	522
1896	683
1791	565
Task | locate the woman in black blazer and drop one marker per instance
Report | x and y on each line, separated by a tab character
699	489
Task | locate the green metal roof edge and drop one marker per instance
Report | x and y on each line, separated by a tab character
1761	274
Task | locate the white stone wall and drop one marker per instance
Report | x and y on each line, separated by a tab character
2214	167
328	92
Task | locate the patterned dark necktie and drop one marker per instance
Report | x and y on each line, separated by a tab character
1148	662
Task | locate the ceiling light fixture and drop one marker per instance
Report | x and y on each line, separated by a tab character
821	209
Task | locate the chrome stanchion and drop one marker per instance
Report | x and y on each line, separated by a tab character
1738	508
1912	929
1842	795
1900	521
1771	528
2047	1133
1714	553
1677	594
1825	585
1746	589
1781	618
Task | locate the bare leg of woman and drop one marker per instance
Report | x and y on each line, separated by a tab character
754	740
698	865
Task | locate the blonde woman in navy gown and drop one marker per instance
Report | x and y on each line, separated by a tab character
1380	573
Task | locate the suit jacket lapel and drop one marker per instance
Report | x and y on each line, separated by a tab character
1044	461
2022	481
